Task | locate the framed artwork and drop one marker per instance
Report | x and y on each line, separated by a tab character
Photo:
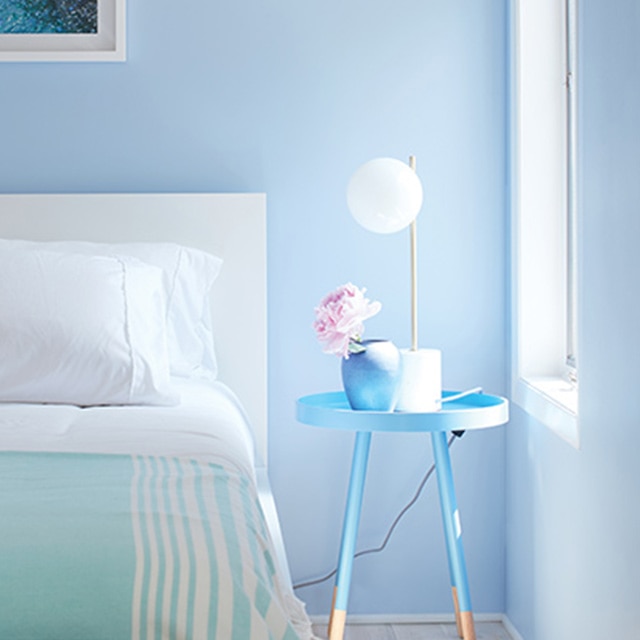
62	30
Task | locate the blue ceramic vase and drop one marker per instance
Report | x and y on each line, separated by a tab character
371	378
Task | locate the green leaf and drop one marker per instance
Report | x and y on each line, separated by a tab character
356	347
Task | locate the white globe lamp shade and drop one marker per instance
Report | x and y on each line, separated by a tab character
384	195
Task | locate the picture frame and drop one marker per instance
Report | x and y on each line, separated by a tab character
107	44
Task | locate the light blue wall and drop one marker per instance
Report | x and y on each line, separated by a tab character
290	98
573	516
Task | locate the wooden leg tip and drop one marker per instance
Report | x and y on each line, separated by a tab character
456	608
336	626
468	628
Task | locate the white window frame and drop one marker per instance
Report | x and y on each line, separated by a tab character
544	267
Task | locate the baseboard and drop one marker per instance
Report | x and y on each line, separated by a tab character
409	618
508	625
421	618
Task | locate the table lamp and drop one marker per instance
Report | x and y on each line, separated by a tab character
385	195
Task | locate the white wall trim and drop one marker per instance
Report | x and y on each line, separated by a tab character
512	631
407	618
539	203
421	618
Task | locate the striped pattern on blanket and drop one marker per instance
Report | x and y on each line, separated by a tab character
134	547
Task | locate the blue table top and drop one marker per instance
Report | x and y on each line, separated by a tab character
473	411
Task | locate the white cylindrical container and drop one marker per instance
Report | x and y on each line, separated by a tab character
421	386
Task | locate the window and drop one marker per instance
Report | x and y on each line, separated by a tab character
571	52
544	206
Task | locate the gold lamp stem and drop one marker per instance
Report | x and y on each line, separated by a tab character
414	276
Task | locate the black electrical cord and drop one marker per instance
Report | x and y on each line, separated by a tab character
394	524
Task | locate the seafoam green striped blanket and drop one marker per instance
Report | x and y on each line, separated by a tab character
119	547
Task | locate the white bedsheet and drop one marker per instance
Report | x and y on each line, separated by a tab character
209	429
208	422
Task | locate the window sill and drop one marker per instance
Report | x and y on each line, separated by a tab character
552	401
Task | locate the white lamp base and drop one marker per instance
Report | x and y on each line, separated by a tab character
421	386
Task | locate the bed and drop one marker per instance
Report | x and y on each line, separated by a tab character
133	429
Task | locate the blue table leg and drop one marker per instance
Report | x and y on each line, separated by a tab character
349	535
453	536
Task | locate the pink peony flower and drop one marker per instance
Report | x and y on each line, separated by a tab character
340	319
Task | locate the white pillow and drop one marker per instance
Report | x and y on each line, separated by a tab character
84	330
188	277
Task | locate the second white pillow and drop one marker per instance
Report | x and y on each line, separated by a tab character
84	330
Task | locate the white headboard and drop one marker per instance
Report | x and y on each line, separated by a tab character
232	226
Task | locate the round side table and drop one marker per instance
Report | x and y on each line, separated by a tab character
472	411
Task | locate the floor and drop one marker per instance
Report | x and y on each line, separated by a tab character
484	631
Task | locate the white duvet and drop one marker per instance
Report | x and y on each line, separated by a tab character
206	444
209	420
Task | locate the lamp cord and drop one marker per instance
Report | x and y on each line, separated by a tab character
394	524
